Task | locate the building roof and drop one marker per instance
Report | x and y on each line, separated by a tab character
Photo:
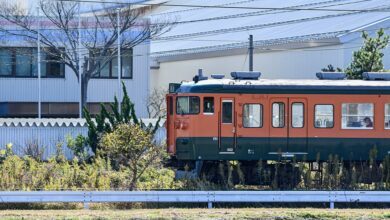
204	30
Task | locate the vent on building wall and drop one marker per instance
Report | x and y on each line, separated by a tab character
385	76
246	75
331	75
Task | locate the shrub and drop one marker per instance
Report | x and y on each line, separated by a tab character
130	146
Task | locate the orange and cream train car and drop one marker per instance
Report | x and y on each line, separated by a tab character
249	119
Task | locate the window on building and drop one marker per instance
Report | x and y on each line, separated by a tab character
127	64
387	116
252	116
23	62
187	105
323	116
297	120
110	69
208	105
5	62
53	67
357	116
278	115
227	112
105	71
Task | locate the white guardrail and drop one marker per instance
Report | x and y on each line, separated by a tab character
208	197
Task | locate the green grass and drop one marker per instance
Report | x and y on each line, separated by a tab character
174	213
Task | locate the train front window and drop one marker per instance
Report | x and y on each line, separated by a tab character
278	115
387	116
357	116
187	105
208	105
252	116
323	116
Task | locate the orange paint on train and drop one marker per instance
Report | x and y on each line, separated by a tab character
207	124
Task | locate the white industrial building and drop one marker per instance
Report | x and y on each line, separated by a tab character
289	44
60	90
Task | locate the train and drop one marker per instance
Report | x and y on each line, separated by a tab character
251	120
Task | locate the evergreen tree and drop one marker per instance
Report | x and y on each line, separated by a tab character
106	121
369	57
330	68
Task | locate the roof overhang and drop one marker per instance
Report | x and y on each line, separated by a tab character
264	46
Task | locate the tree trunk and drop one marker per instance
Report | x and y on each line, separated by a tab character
84	92
133	182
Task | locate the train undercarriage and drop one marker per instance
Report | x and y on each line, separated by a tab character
284	174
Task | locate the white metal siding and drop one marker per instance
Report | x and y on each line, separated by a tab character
47	133
289	64
46	137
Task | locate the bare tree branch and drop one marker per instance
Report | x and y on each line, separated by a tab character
59	33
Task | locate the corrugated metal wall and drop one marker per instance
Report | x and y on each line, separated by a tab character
67	89
20	134
46	137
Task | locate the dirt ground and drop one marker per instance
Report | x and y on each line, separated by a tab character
175	213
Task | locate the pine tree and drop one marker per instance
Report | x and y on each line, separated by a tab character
369	57
106	121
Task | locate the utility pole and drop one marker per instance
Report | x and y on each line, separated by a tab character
39	66
118	10
79	64
251	52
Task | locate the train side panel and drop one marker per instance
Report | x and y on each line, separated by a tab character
213	136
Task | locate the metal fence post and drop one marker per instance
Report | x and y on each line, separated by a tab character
331	205
87	198
210	205
86	205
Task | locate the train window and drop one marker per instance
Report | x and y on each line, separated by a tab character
323	116
227	112
187	105
357	116
278	115
252	116
208	105
297	115
387	116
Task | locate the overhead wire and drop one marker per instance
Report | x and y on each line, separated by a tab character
86	50
189	35
228	7
264	12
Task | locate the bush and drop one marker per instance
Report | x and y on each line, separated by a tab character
132	147
29	174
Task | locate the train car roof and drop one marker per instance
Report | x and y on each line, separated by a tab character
286	86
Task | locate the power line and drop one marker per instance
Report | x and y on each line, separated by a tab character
262	12
232	7
233	16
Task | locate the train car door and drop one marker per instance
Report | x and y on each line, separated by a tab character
278	136
298	127
170	124
227	126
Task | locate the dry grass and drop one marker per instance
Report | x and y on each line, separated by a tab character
239	213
